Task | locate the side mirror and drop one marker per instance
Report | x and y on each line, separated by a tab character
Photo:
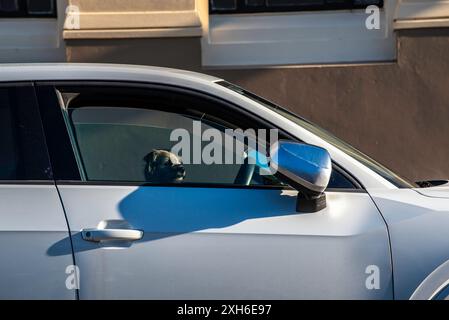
305	167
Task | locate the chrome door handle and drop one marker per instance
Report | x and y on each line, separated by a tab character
97	235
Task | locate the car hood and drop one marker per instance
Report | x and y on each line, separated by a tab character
435	192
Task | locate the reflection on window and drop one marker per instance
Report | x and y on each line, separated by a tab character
135	145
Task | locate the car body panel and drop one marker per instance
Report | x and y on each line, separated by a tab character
31	229
228	243
435	286
435	192
418	227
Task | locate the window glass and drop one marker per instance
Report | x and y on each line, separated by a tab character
131	144
23	154
28	8
8	139
255	6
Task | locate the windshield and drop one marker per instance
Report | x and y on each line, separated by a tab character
326	136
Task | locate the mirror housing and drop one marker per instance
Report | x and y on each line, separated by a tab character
306	168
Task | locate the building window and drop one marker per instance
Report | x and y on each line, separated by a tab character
27	8
296	37
254	6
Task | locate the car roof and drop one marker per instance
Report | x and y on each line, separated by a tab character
96	71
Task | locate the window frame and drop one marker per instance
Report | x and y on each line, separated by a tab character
47	90
242	7
41	164
23	11
260	40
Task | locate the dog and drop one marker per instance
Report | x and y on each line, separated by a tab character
162	166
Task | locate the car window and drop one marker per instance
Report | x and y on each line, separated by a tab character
8	139
115	133
131	141
115	144
23	154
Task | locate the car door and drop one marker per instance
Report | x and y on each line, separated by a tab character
33	228
212	234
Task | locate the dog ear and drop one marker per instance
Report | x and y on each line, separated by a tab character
150	158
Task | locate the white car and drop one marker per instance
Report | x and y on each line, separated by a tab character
80	217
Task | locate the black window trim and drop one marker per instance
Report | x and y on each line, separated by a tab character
49	180
148	85
27	182
243	8
23	12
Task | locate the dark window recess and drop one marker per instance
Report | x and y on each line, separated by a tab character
23	154
58	141
254	6
27	8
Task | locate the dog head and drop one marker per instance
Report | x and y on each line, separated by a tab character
163	167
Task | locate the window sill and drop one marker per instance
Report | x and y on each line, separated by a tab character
421	23
422	14
143	22
133	33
